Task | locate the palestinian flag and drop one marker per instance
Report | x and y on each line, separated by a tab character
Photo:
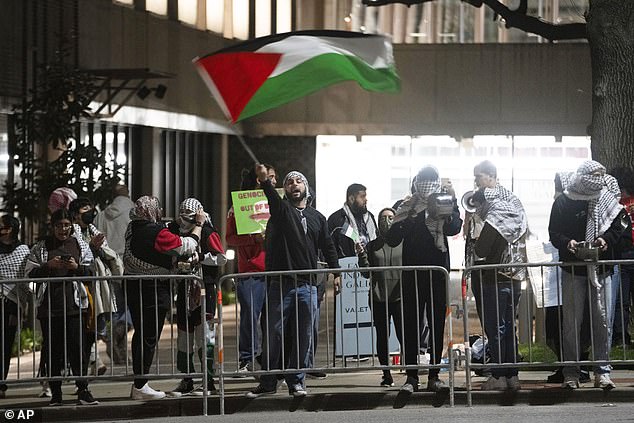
261	74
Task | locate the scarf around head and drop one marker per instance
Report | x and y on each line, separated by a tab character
146	208
602	193
296	174
417	202
187	215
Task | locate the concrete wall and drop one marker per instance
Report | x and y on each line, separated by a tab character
459	90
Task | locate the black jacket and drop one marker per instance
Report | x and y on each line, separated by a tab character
568	221
419	247
287	246
344	245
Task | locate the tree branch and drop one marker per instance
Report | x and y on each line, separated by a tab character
532	24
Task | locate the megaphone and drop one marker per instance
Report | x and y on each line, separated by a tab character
467	202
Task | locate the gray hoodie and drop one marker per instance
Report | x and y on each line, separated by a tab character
113	222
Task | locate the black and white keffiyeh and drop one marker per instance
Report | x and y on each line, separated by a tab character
417	202
591	183
503	210
12	267
187	215
296	174
369	225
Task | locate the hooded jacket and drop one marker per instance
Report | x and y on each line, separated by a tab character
113	222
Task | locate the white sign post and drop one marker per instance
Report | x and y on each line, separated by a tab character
354	333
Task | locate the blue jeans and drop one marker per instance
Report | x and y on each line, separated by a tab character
624	292
292	309
251	294
499	308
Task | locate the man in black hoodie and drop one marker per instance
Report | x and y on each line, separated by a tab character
294	234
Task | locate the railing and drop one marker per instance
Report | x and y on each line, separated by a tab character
164	363
283	353
585	309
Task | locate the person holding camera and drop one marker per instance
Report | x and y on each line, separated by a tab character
61	306
149	250
422	223
587	212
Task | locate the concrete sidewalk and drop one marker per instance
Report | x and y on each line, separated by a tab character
343	391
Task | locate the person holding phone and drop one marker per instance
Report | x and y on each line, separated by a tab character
61	305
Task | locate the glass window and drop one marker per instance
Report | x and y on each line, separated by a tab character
284	16
188	11
262	17
156	6
215	15
240	17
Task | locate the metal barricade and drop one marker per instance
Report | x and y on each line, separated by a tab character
281	305
58	324
583	317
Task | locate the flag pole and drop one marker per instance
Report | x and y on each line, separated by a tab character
247	148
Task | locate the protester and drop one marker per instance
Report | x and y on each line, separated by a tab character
353	223
193	327
587	211
150	248
295	233
113	222
106	263
424	237
502	241
251	291
385	294
13	257
61	306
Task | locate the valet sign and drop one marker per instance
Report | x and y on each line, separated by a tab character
354	333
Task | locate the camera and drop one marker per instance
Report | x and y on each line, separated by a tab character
440	204
586	251
65	257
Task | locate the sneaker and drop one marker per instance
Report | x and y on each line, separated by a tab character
387	381
316	375
145	393
435	385
46	391
85	398
56	399
244	367
200	391
410	385
259	391
513	383
494	384
185	387
570	382
604	382
297	391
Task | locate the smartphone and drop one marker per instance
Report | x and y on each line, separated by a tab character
65	257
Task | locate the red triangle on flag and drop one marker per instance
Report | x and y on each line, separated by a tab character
238	76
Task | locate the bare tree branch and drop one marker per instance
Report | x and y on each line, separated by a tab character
518	19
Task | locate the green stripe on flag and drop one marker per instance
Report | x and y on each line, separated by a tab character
315	74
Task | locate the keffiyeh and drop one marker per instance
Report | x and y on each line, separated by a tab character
505	212
147	208
412	206
187	214
296	174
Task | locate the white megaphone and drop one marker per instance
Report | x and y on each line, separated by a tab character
468	202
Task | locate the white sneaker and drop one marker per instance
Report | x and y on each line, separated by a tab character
604	382
46	391
145	393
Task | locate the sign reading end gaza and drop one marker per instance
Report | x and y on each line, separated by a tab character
251	209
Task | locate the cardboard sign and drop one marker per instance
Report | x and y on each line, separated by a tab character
251	209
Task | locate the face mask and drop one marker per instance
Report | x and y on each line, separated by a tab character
385	222
185	226
89	216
